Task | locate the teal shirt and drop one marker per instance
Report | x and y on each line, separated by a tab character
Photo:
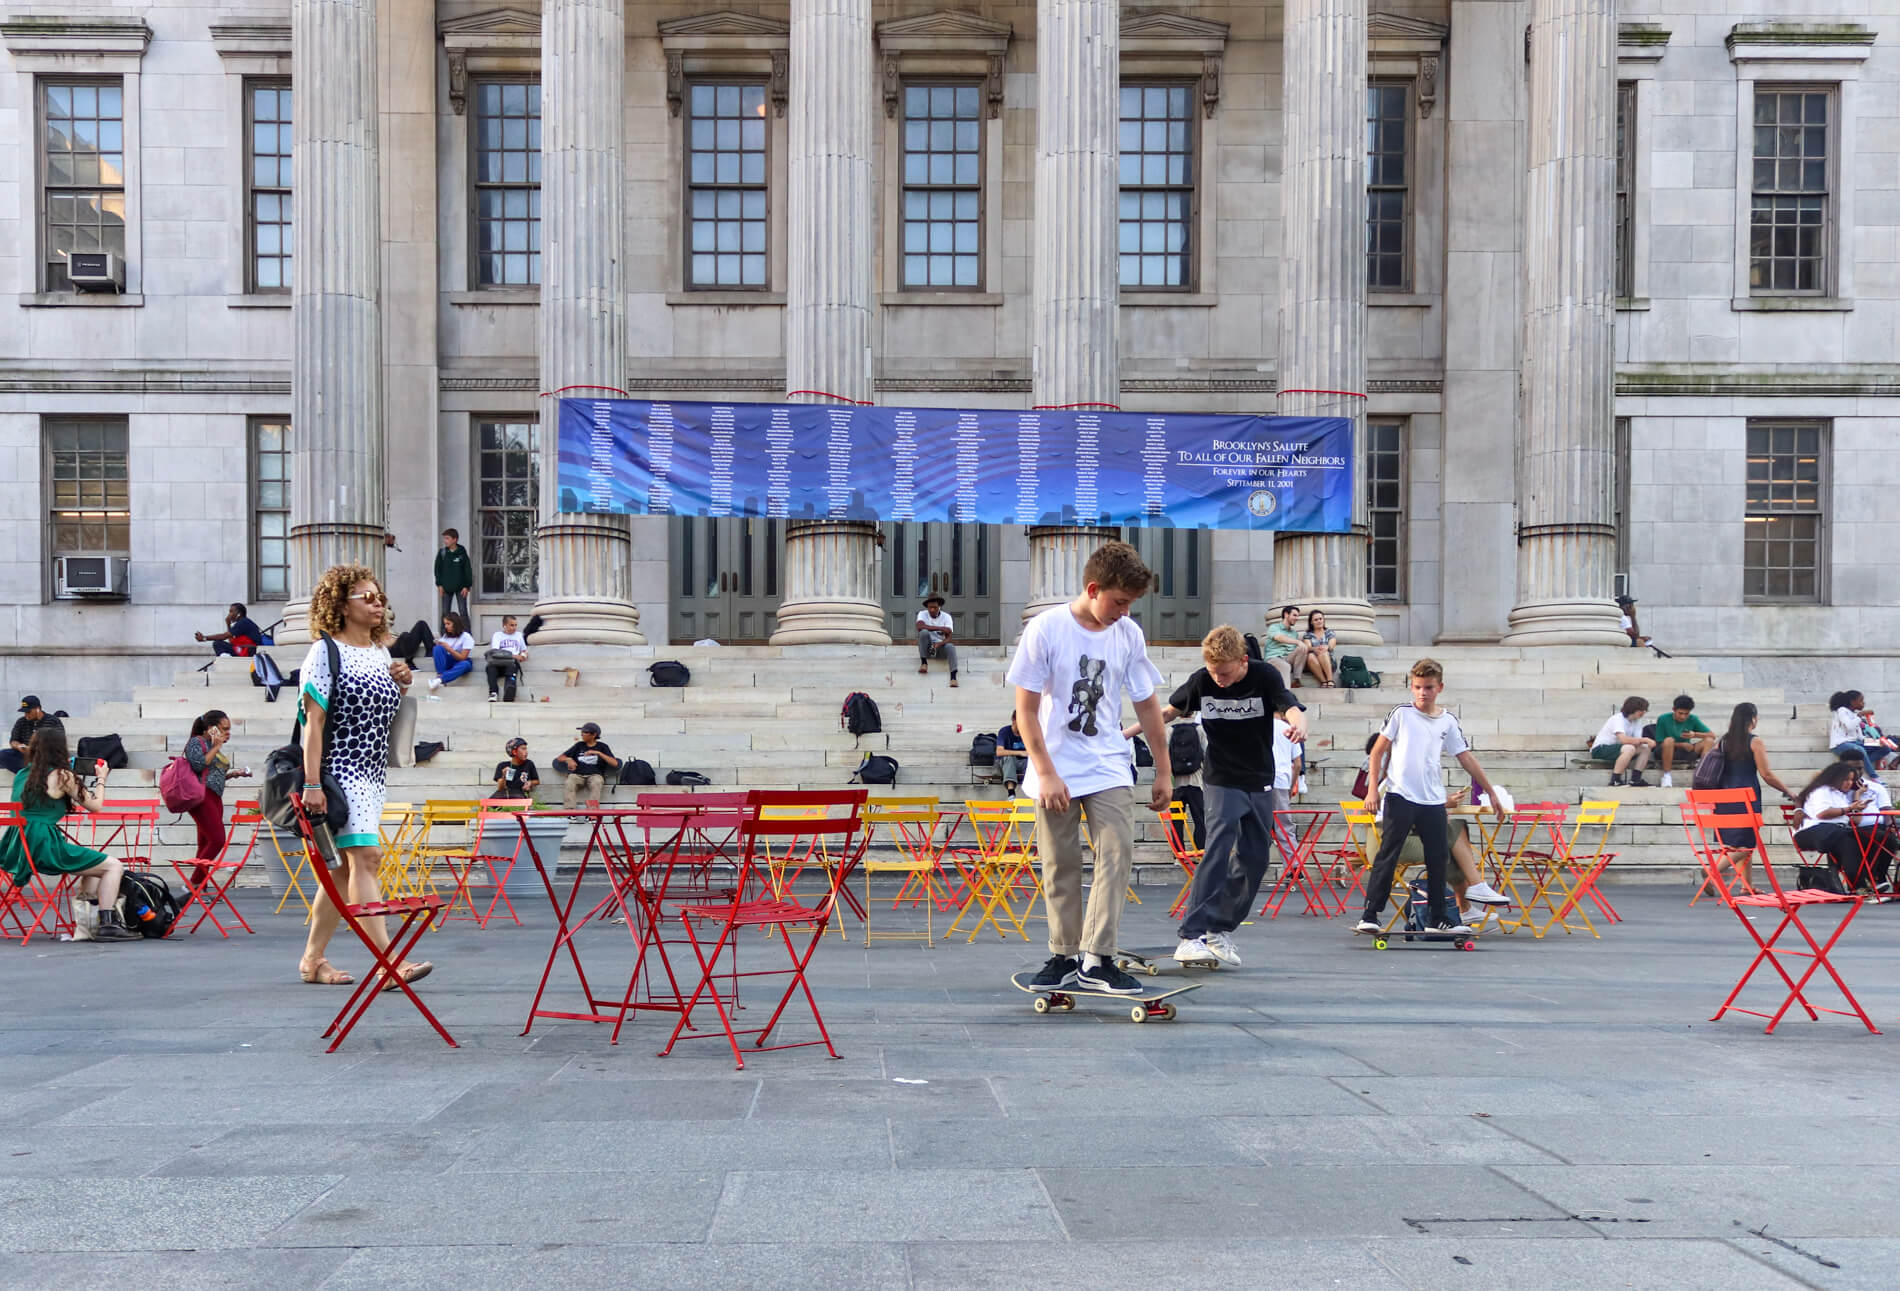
1272	648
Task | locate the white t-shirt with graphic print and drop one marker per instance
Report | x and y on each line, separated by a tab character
1083	676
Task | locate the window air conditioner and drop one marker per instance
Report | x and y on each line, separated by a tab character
90	577
1622	583
96	271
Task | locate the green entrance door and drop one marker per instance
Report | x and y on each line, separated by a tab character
959	562
725	578
1178	607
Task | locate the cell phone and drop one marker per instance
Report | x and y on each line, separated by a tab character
86	768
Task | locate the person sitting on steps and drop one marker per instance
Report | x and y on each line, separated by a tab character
452	651
934	628
1622	745
32	719
586	764
1283	647
505	670
1680	728
1008	763
241	635
517	777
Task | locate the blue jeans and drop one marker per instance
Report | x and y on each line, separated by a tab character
1868	756
449	668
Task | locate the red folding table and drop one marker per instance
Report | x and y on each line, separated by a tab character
1297	832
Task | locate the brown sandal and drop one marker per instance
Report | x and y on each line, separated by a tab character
411	973
324	973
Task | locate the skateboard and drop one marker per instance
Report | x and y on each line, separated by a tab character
1458	940
1149	961
1140	1007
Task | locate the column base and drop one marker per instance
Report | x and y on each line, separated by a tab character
831	586
584	620
1058	553
1314	571
1566	623
296	629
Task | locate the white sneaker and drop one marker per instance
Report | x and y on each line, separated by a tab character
1195	950
1365	925
1224	949
1485	894
1668	781
435	683
1477	917
1456	928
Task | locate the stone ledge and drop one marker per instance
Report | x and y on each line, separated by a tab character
725	298
496	296
1791	305
81	300
935	299
259	300
1400	299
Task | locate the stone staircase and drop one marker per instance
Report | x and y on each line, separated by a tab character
767	717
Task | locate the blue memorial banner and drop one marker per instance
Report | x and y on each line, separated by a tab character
968	465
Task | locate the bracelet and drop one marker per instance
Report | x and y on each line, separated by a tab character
313	786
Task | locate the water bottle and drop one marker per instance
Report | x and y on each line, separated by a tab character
144	914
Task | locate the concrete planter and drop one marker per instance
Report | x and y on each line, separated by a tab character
276	877
524	883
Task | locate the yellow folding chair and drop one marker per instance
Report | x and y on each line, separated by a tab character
1600	816
398	820
1004	866
296	862
1535	855
909	825
784	868
1175	821
440	836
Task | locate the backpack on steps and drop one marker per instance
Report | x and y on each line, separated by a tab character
877	768
860	717
669	672
637	771
1184	749
1354	675
983	750
677	778
109	749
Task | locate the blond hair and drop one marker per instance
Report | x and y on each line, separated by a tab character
1116	566
1428	670
332	593
1223	645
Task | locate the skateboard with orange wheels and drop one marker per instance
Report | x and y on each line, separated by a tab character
1152	1004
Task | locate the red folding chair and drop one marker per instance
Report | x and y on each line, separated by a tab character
710	840
1712	855
843	823
417	913
1703	803
219	873
1297	832
32	906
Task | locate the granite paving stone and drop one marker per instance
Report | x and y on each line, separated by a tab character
906	1206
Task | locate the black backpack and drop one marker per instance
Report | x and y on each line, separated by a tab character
1144	756
669	672
109	749
637	771
1253	646
426	749
686	778
983	750
1354	675
877	768
148	903
860	716
1184	749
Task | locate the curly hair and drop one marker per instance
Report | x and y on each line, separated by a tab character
1116	566
332	593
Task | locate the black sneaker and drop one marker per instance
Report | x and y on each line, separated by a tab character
1059	971
1637	781
1106	977
1616	780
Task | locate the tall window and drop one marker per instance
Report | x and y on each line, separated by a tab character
82	165
726	186
1625	188
1385	479
1781	559
510	485
269	105
943	193
270	509
1788	227
1157	187
1388	184
91	497
508	183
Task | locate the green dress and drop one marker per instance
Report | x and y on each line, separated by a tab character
53	852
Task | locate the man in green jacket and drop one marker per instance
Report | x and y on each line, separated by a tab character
454	574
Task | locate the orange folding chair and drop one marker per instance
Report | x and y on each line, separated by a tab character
910	827
219	873
1712	857
1788	904
494	844
1589	865
1002	869
842	826
1174	822
33	905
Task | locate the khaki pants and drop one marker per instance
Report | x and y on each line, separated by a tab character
1292	665
1059	840
579	789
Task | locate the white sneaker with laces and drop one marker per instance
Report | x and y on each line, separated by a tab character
1668	781
1485	894
435	683
1365	925
1459	928
1224	949
1195	950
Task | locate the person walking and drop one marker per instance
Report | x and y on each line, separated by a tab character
1744	766
47	791
1237	699
454	575
934	630
353	708
204	753
1073	666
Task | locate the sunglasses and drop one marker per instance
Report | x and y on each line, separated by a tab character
371	598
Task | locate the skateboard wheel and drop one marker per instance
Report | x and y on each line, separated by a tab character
1467	945
1379	943
1068	1005
1042	1004
1138	1014
1165	1013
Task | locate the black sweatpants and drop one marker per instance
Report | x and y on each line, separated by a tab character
1839	843
1403	818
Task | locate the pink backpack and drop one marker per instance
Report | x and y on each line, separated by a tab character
179	787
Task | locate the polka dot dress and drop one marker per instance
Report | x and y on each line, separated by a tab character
359	731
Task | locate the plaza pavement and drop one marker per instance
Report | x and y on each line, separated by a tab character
1558	1114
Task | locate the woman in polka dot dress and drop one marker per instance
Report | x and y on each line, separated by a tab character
357	709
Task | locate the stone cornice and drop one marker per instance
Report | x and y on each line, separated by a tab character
1165	41
726	34
1825	42
37	37
955	29
188	383
1392	36
723	26
1761	383
257	38
1641	42
495	40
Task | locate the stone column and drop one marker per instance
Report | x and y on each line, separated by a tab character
1075	323
1323	289
336	382
1566	543
584	592
831	586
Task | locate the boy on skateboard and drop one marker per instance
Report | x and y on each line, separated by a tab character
1072	667
1406	787
1237	699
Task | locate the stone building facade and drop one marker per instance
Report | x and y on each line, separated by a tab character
1620	291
